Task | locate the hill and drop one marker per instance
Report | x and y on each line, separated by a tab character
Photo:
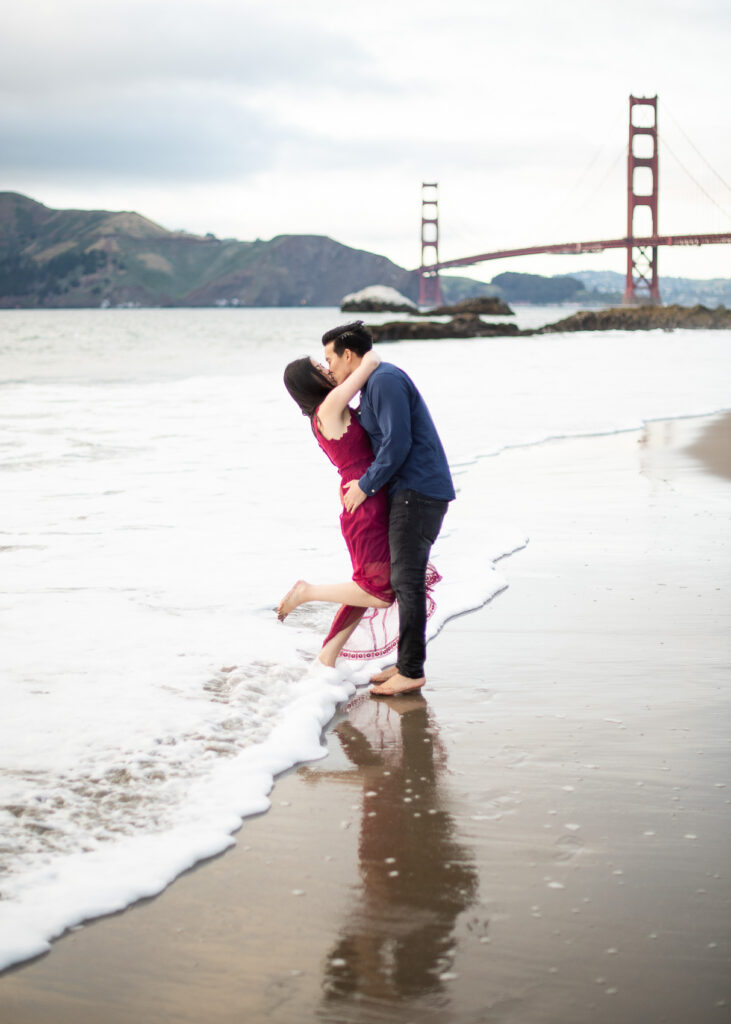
75	258
539	290
78	258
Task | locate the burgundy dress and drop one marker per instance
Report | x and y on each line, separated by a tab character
365	530
366	535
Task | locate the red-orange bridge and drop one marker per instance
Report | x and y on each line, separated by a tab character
641	282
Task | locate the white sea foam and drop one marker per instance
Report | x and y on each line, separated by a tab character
379	293
159	494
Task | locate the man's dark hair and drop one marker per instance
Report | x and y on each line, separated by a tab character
354	336
307	385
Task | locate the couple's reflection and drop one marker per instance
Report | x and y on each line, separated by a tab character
415	877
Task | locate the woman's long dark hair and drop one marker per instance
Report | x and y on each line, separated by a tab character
306	384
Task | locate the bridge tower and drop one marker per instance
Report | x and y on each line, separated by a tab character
642	284
430	289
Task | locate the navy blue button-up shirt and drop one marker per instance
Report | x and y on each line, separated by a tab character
408	452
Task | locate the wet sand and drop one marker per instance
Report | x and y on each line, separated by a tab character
713	446
541	837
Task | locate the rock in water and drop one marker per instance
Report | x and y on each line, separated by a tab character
483	305
464	326
642	318
377	298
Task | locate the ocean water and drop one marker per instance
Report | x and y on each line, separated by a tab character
159	493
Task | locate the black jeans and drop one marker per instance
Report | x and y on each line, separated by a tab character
413	526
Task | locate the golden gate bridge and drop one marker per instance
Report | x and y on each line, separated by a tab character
641	281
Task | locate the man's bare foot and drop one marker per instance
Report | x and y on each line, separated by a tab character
396	685
381	677
293	599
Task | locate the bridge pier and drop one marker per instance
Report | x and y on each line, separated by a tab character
430	288
642	285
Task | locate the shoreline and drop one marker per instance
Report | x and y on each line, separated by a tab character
567	856
713	448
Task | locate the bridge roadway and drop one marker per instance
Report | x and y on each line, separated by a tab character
579	247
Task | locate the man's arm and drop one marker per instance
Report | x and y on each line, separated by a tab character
389	398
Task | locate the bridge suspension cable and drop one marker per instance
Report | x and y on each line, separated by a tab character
693	145
571	192
569	200
695	182
621	155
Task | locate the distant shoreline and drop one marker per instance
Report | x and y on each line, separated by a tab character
87	259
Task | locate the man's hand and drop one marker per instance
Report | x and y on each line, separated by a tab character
353	497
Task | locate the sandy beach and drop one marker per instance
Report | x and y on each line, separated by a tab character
542	836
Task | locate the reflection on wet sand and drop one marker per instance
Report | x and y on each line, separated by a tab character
705	441
397	943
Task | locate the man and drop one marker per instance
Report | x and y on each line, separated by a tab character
409	458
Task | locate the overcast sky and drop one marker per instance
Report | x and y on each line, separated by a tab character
252	119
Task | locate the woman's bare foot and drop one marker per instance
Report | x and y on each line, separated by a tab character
381	677
293	599
396	685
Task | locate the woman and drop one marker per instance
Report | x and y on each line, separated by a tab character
346	444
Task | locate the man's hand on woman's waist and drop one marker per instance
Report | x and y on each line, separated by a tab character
353	497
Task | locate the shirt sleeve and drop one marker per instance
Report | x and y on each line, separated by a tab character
389	398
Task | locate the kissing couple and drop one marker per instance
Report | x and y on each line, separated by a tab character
395	490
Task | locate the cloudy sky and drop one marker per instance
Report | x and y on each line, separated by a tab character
251	119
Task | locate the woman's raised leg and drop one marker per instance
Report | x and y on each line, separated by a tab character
338	593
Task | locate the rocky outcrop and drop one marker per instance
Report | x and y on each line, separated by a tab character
623	318
642	318
465	326
482	306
